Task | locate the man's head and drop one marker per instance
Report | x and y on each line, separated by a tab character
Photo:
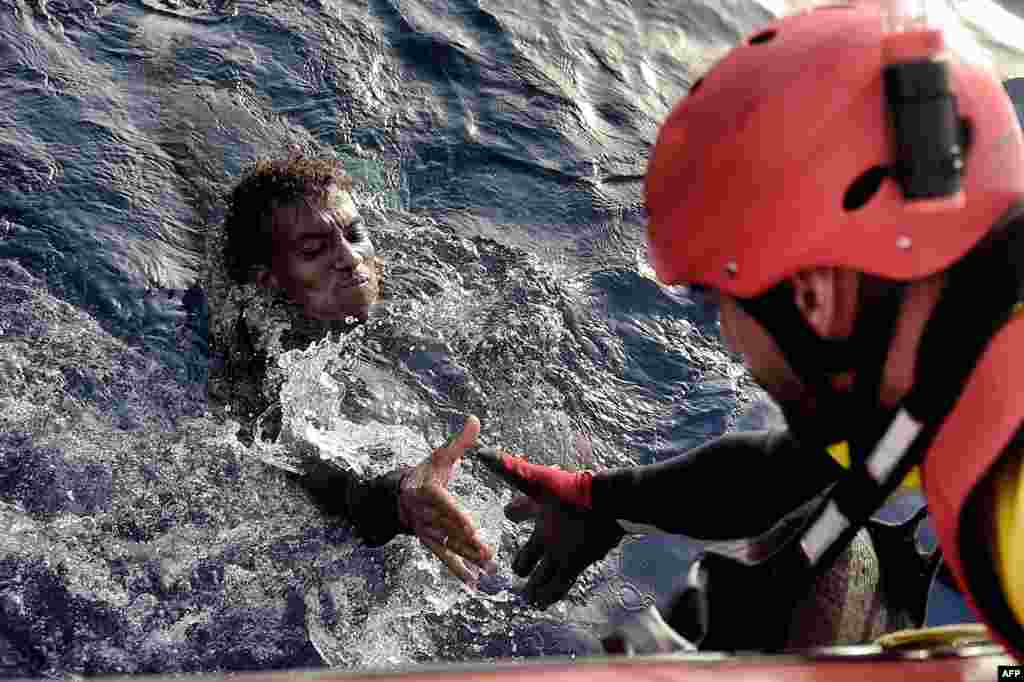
776	188
828	301
292	226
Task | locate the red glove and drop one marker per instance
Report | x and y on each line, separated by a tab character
568	487
568	536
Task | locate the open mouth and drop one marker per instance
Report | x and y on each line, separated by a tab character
356	281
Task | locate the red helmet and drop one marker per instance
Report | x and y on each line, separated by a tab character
747	181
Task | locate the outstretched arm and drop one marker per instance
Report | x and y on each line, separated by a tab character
736	486
371	505
410	500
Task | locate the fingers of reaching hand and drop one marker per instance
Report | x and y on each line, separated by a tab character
551	575
469	548
452	453
444	523
435	533
468	436
539	578
549	583
527	557
465	573
441	509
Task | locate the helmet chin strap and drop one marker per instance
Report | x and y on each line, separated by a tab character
818	361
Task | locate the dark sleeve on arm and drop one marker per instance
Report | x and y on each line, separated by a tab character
371	505
736	486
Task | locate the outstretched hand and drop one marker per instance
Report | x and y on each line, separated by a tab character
567	536
427	508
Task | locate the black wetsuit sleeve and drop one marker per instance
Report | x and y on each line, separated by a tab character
736	486
370	505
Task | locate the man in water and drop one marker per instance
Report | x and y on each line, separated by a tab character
293	227
294	232
860	232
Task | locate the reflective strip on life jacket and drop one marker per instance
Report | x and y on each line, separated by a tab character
840	452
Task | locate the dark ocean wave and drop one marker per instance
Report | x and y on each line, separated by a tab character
499	151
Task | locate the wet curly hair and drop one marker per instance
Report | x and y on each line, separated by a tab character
266	184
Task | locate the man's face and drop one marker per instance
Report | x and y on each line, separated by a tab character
805	412
323	257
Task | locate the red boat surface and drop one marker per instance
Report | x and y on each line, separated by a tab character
850	664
